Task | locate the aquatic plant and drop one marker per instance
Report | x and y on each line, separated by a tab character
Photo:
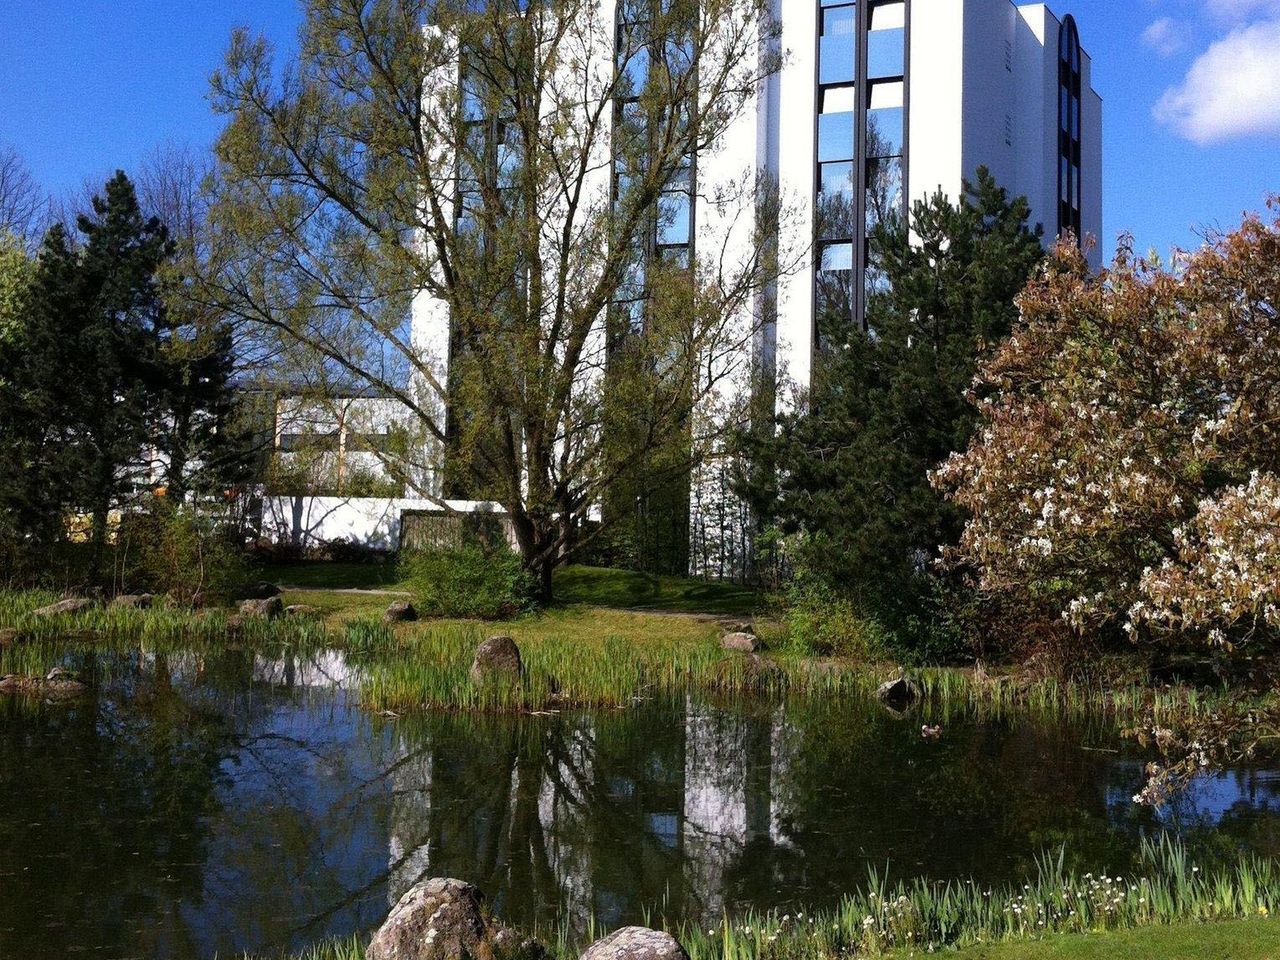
925	917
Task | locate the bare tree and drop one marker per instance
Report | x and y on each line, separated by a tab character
23	205
513	169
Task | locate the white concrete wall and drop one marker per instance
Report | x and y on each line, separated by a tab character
372	522
796	125
935	91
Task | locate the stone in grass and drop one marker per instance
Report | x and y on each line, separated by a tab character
400	611
738	626
898	694
741	642
636	943
8	637
133	601
498	658
301	610
267	608
72	605
445	919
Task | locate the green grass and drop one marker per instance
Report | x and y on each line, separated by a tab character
1257	939
588	586
333	575
1170	909
577	655
629	590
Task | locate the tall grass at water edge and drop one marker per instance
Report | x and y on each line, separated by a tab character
596	660
924	917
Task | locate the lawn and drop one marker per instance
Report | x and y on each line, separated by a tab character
574	585
1226	940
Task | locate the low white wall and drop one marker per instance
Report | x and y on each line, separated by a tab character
369	521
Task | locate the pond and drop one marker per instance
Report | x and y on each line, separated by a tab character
216	804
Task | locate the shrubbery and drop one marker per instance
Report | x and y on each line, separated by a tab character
1125	476
173	550
487	584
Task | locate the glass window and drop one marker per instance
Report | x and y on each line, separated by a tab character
884	132
835	136
673	219
888	15
837	257
886	53
884	190
838	48
837	177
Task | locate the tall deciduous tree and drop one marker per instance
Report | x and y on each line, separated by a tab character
503	162
850	469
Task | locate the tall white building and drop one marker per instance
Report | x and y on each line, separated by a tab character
878	103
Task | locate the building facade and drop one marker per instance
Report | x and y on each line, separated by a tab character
877	104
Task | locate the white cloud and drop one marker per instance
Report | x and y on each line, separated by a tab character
1166	36
1232	89
1241	9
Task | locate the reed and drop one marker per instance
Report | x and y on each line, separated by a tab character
924	917
583	657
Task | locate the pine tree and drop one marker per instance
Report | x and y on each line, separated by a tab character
888	405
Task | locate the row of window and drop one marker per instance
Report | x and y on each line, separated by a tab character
1070	84
861	147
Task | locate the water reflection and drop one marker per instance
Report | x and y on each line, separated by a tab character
218	804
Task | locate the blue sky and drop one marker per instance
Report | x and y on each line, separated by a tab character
1191	92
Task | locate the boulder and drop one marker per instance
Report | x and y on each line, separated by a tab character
445	919
57	684
750	671
400	611
133	601
301	610
268	608
262	590
72	605
636	943
498	658
737	626
741	642
898	694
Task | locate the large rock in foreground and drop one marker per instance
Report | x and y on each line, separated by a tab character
636	943
498	658
898	694
268	608
70	606
445	919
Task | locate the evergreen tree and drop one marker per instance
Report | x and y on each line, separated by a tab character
888	405
98	319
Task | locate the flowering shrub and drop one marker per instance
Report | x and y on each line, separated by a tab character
1125	472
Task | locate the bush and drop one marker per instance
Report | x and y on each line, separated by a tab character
468	582
821	621
173	550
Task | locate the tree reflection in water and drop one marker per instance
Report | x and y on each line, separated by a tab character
219	804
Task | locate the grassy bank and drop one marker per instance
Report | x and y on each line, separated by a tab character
576	654
1172	909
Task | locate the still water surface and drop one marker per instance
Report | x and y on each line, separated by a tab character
220	804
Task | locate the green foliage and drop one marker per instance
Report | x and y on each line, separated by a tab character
823	621
175	551
469	581
96	375
849	471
